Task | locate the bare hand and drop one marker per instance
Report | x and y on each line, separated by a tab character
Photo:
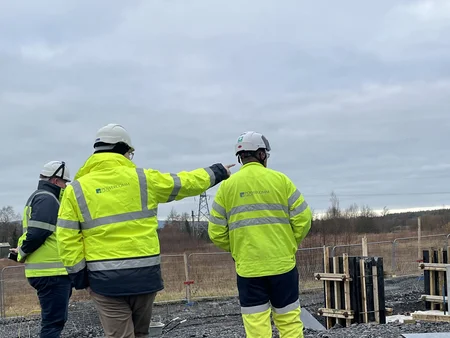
15	250
227	167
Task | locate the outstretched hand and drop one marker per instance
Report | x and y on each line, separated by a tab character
227	167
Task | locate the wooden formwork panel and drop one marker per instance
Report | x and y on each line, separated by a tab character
354	290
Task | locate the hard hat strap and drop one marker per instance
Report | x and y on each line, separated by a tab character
62	167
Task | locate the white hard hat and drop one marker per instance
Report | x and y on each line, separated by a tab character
56	169
112	133
251	141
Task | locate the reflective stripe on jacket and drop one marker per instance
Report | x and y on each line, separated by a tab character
107	226
37	246
261	218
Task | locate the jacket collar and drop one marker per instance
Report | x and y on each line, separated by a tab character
251	164
50	187
102	161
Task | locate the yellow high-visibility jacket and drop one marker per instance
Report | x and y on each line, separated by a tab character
37	246
261	218
107	223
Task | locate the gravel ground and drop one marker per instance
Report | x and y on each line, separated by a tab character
221	318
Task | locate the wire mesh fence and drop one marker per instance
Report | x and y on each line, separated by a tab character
173	274
186	277
212	275
381	249
18	298
309	262
406	252
400	256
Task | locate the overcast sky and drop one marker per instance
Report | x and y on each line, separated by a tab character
354	96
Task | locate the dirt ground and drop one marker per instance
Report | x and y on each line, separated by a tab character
221	318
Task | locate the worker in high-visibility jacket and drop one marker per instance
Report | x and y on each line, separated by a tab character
37	248
107	229
261	218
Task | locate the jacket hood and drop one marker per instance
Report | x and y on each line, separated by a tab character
103	161
50	187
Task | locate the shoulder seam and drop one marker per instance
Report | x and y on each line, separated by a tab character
45	193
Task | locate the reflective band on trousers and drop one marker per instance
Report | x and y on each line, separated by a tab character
43	266
124	264
287	308
264	307
258	221
90	223
249	310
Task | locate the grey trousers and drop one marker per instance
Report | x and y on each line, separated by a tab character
124	316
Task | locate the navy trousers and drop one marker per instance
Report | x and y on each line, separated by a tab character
280	290
54	294
277	295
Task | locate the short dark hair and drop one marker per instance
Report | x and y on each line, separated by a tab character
247	156
48	178
118	148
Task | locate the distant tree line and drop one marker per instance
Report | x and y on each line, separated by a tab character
333	224
184	222
10	226
337	222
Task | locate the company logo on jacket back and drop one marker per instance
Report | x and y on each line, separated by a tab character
111	187
255	192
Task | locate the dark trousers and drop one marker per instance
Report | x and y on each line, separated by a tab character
277	295
279	290
54	293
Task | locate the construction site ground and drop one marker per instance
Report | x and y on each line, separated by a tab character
221	318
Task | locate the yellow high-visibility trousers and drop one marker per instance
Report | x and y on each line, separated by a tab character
258	324
288	322
277	295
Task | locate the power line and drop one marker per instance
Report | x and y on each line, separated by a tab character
382	194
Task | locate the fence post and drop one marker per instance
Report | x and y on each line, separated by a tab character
187	282
2	310
419	239
394	258
332	251
365	249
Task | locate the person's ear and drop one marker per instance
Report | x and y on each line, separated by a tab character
262	155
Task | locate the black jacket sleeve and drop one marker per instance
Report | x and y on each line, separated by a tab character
42	222
220	173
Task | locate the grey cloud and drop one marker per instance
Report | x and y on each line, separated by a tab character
352	96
